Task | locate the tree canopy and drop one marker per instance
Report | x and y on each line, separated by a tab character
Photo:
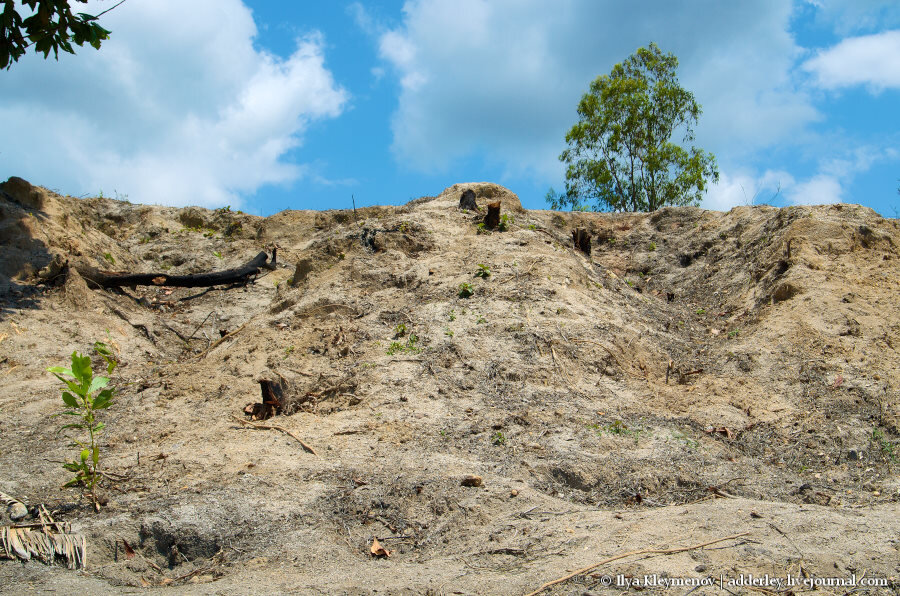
621	155
51	27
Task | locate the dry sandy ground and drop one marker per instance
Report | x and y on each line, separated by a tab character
700	375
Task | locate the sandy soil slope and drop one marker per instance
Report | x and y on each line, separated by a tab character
699	375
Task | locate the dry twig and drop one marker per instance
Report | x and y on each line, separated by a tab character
219	341
643	551
278	428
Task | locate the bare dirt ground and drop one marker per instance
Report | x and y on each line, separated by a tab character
700	375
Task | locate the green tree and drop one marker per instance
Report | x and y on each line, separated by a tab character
51	27
620	152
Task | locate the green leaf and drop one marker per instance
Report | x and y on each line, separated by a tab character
98	383
66	413
81	368
73	482
58	370
100	426
96	455
74	387
85	454
103	400
102	349
69	399
82	426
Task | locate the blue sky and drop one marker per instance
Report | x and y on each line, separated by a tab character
267	105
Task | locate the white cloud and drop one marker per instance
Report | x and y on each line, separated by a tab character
502	79
745	188
829	184
171	110
869	60
821	189
847	17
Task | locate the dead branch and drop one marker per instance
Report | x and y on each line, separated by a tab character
643	551
219	341
278	428
241	274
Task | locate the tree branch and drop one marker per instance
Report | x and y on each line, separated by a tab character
106	279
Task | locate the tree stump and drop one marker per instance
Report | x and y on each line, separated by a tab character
467	200
582	240
492	219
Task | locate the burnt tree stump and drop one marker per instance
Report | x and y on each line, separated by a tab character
492	219
467	200
582	240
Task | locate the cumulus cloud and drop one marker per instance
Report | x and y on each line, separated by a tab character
821	189
178	107
829	184
867	60
847	17
502	79
745	188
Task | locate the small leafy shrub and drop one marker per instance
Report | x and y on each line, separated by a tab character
109	258
448	332
452	315
498	438
532	227
618	428
505	222
480	320
701	311
400	330
104	351
652	246
883	444
217	254
733	333
409	347
483	272
482	229
688	442
466	290
85	396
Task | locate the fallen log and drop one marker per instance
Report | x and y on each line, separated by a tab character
242	274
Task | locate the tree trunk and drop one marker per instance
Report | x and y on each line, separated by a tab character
241	274
582	240
467	200
492	219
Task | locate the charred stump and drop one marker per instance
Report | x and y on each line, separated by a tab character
492	219
467	200
272	400
582	240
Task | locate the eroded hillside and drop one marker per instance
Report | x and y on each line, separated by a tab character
699	375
